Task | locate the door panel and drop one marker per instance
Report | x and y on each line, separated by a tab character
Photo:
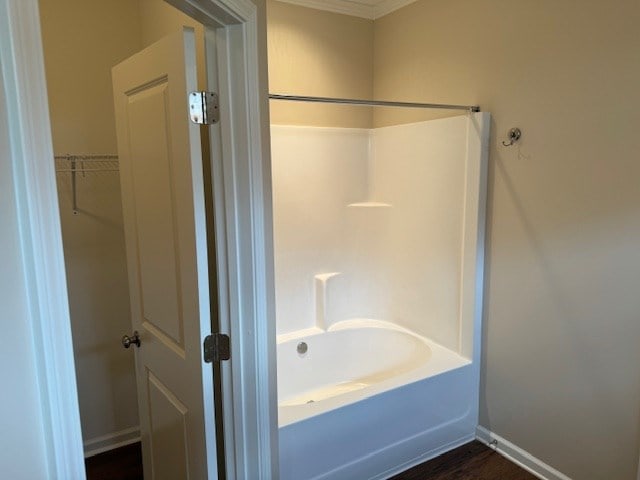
168	429
165	234
153	195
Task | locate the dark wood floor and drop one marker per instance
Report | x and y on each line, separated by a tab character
124	463
473	461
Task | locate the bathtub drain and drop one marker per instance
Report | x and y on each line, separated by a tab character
302	348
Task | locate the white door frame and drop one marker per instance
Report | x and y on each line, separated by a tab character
242	196
247	226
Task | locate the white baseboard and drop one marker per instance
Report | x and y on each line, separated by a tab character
104	443
518	456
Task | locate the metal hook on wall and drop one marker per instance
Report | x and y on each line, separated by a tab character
513	135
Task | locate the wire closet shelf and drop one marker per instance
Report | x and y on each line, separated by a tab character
88	163
83	164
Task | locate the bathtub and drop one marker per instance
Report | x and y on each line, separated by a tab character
367	399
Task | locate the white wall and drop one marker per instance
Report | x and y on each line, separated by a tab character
397	251
22	435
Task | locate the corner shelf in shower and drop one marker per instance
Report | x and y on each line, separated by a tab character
370	205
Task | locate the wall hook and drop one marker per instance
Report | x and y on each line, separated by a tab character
513	135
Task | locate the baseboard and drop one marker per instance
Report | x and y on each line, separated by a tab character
519	456
104	443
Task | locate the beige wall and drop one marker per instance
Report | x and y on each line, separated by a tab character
82	41
159	19
562	309
317	53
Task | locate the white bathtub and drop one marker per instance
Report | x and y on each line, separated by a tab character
367	399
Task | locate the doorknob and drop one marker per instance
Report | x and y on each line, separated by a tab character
127	341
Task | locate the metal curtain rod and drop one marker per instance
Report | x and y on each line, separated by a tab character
372	103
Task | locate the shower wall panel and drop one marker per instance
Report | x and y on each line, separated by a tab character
317	172
383	211
419	169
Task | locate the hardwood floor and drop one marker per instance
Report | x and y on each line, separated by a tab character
473	461
124	463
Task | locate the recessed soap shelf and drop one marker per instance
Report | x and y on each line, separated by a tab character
369	204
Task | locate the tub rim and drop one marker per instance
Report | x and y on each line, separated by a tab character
441	361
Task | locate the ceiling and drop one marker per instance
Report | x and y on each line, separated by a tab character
370	9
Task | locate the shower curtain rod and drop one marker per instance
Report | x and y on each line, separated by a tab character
372	103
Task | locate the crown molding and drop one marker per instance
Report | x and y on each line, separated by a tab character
369	9
344	7
387	6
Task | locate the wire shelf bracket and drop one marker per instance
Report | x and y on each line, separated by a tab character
77	165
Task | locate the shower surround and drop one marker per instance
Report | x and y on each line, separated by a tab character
378	255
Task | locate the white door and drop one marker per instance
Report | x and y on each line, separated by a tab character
165	232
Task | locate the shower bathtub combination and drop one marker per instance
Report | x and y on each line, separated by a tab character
379	237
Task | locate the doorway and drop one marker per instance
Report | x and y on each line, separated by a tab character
104	189
83	130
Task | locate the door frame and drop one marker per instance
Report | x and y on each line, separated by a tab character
247	259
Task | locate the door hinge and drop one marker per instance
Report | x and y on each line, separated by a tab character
217	348
204	108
